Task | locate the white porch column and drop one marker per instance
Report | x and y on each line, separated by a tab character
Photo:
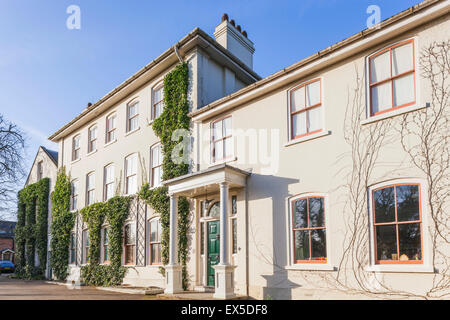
173	270
224	271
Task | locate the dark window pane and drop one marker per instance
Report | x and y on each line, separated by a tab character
316	213
233	205
384	205
300	212
410	241
106	254
408	203
386	242
202	238
318	244
301	245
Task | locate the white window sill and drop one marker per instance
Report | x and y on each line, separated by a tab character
92	152
403	268
311	267
75	161
394	113
110	143
132	131
230	159
308	137
154	266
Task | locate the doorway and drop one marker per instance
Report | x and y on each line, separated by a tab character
213	250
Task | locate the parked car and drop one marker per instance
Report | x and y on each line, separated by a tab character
6	266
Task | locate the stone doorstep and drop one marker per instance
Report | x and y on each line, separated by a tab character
133	290
195	295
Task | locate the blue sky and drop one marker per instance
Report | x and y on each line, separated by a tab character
49	73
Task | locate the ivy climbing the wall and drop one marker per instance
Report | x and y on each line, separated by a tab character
114	212
31	230
174	117
63	221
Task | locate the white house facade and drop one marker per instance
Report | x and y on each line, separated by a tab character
274	167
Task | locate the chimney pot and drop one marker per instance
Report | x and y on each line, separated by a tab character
244	33
232	22
89	104
224	17
239	28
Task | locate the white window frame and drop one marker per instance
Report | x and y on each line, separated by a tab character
329	265
134	102
152	184
149	243
91	189
74	150
74	185
132	223
427	265
109	130
91	140
401	110
106	183
224	158
127	192
158	86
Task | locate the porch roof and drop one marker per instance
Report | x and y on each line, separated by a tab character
207	181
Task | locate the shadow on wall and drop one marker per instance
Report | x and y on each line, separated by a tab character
278	286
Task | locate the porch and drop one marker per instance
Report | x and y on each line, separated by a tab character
218	179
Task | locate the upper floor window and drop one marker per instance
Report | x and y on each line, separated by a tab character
132	116
109	182
111	128
306	109
156	162
222	139
90	188
76	148
309	231
131	174
397	224
130	243
92	139
155	241
157	101
392	78
74	195
39	171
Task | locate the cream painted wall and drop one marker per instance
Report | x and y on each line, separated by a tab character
315	166
208	81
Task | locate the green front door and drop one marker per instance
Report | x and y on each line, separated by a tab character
213	249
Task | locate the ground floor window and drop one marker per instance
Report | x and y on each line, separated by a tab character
105	238
130	243
308	230
397	224
85	246
155	241
72	248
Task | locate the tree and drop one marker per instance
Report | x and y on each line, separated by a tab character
12	147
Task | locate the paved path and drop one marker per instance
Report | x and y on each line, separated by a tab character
13	289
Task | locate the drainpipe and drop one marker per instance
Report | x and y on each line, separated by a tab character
177	53
247	271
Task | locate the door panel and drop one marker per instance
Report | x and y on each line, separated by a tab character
213	250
